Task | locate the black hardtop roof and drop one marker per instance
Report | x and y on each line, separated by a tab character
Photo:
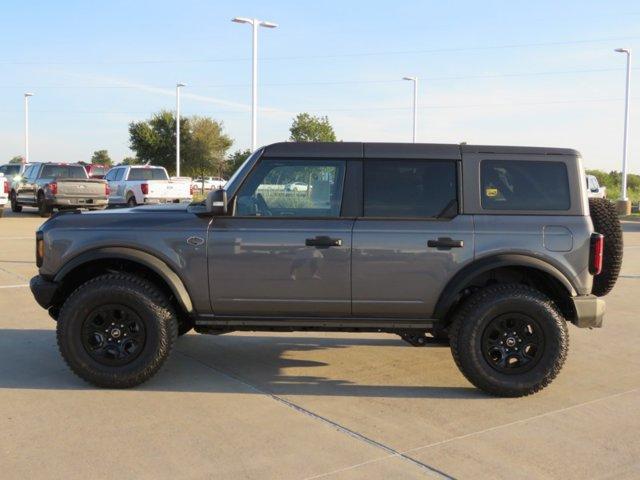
398	150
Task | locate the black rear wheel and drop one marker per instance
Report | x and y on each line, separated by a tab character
131	201
44	210
116	330
509	340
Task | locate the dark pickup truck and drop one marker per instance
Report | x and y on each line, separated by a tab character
58	185
491	249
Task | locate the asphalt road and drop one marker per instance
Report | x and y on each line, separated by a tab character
302	406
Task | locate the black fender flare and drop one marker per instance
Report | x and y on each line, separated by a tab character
449	295
150	261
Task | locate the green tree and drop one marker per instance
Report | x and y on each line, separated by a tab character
154	140
234	161
205	147
101	157
130	161
17	159
309	128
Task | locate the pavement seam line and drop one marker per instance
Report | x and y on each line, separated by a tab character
479	432
524	420
358	436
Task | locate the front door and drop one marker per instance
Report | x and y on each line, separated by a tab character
286	250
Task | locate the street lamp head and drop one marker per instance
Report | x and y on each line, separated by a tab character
241	20
412	79
181	85
28	94
622	50
268	24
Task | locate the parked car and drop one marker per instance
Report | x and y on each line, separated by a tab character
491	249
4	192
12	170
57	185
207	183
144	184
594	190
96	171
296	187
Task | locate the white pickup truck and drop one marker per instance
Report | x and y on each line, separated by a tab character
4	192
144	184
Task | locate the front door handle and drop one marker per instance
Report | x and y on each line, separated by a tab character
323	242
445	243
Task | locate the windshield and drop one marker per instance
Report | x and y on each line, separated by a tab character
148	174
63	171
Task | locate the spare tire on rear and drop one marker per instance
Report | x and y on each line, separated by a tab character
605	221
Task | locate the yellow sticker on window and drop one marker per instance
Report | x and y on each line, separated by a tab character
491	192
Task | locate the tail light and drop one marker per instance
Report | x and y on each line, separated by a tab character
596	253
107	190
53	188
39	248
6	187
144	187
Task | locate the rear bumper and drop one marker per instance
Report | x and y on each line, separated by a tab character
43	290
80	202
149	200
589	311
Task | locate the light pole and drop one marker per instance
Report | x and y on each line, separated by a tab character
26	126
255	23
178	86
415	105
623	191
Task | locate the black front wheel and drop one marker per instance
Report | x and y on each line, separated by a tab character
116	330
509	340
15	208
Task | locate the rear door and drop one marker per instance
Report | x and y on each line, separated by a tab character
284	252
27	189
410	240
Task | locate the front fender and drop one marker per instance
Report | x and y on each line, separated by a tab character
155	264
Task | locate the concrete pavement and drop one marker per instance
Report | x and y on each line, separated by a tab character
301	406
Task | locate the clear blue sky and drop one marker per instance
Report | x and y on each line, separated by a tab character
526	73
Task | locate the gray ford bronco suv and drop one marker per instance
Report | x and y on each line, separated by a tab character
491	249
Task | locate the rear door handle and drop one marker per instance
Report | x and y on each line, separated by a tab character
445	243
323	242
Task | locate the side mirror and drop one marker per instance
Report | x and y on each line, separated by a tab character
217	202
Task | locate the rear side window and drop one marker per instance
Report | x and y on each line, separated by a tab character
524	185
147	174
409	188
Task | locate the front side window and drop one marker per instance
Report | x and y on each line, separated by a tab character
410	188
63	171
290	188
524	185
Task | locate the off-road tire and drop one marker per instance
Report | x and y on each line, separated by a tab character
131	201
44	210
15	208
470	321
135	293
1	211
605	221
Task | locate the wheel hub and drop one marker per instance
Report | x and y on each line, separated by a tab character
512	343
113	335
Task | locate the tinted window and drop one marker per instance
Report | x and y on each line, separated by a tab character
63	171
97	170
119	174
148	174
28	171
524	185
110	175
10	170
289	188
409	188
